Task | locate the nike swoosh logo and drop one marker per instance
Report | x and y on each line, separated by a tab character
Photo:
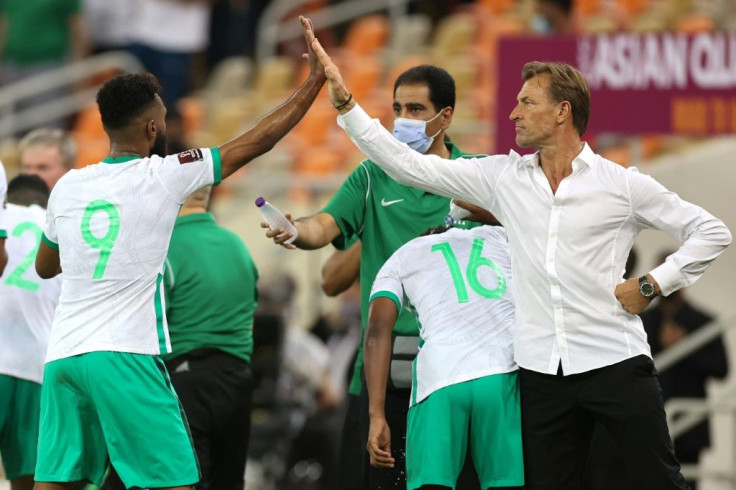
385	203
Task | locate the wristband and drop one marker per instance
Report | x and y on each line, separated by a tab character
338	107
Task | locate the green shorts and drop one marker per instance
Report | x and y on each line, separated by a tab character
119	405
20	402
486	411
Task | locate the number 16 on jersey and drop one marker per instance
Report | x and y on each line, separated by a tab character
475	262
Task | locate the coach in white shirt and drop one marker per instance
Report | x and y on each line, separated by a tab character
571	218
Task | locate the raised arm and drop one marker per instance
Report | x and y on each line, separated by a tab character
274	126
471	180
341	270
377	358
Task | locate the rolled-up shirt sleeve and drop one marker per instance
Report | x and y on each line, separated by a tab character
703	235
467	179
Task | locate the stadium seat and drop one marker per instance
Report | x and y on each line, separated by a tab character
274	78
694	23
496	7
362	75
367	35
454	33
229	77
409	36
192	110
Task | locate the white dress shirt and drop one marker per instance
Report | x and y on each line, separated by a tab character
569	248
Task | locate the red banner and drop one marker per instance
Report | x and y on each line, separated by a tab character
639	83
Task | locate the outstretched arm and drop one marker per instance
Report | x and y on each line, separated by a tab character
274	126
472	179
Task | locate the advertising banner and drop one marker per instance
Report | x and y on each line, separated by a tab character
668	83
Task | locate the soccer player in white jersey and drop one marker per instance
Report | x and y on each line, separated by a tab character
105	391
27	303
465	389
3	230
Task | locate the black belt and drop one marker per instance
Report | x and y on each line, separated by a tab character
203	358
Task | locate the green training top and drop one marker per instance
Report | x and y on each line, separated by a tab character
210	285
385	215
38	30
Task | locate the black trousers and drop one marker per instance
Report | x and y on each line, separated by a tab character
559	412
352	458
215	392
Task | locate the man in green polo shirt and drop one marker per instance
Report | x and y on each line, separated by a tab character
384	215
210	286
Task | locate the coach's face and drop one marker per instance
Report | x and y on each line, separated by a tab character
156	129
534	114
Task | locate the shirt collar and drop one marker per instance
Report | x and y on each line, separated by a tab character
195	218
586	156
123	159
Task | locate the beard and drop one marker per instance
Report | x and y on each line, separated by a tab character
160	145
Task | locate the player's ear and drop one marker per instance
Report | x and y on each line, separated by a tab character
151	129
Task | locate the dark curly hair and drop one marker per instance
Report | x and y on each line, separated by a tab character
27	189
440	83
125	97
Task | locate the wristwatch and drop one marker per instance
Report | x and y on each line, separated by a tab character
646	288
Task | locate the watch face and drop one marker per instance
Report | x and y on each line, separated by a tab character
646	289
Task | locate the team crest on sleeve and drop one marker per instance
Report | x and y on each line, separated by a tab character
189	156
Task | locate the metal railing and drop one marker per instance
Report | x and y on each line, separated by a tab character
271	31
14	121
685	413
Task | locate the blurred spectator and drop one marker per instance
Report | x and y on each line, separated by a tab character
554	17
668	322
48	153
39	36
233	28
165	35
109	23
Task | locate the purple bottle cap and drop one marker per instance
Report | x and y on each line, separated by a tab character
260	202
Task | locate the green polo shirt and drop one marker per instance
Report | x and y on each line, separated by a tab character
210	285
38	30
384	215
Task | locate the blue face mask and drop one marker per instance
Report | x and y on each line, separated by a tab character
413	132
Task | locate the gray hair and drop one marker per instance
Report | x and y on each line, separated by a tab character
52	137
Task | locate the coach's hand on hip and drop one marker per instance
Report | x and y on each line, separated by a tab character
628	293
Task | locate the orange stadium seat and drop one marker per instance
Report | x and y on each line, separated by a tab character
312	129
694	23
318	160
367	35
192	111
362	75
453	34
496	6
90	136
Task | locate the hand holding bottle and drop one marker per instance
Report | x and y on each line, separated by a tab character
281	226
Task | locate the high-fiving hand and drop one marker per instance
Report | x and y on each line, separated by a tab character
337	90
315	67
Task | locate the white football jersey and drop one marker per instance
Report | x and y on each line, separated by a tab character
27	302
459	284
112	223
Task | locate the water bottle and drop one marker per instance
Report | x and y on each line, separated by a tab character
276	219
456	213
